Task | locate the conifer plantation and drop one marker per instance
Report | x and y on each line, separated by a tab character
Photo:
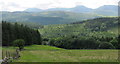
14	31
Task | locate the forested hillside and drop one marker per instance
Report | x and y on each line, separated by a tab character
105	24
14	31
100	24
89	34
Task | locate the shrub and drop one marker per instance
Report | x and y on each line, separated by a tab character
19	43
51	43
115	43
106	45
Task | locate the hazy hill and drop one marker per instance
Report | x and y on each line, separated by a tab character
45	18
108	10
81	9
59	15
78	9
33	10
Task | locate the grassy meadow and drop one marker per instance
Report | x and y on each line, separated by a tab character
45	53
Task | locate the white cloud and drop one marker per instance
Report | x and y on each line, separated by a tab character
19	5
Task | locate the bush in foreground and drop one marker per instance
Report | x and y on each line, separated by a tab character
106	45
19	43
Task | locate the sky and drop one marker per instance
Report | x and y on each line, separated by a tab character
20	5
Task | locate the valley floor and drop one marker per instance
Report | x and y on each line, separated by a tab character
44	53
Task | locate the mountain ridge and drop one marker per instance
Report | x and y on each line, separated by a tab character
103	10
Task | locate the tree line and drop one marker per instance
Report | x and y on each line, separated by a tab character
83	42
14	31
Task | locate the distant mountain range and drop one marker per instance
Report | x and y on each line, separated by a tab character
108	10
59	15
48	17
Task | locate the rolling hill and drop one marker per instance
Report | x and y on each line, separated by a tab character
33	10
59	15
106	26
77	9
107	10
45	18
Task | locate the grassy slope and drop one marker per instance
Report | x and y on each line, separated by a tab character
43	53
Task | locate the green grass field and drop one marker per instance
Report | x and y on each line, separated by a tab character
44	53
